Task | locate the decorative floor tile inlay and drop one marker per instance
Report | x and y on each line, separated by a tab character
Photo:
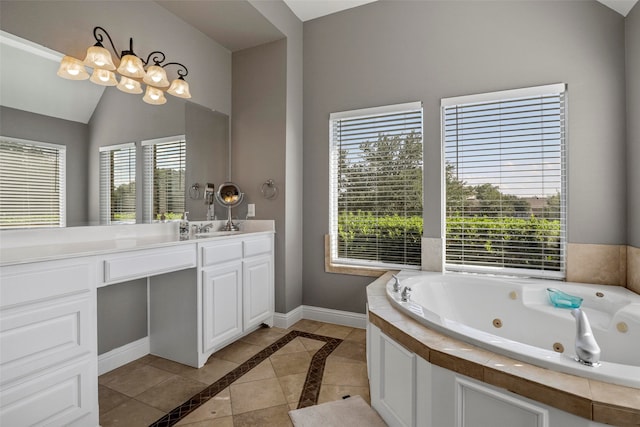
310	390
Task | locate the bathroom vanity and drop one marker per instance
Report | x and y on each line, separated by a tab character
48	283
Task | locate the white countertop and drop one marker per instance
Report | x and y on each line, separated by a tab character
36	245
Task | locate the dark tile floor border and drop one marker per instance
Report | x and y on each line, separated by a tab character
310	390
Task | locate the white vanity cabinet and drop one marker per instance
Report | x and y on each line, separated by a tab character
236	287
48	351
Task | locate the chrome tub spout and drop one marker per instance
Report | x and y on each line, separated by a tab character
587	349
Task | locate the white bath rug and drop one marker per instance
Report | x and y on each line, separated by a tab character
352	412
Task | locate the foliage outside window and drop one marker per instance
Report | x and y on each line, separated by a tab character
505	174
32	184
118	184
164	177
376	186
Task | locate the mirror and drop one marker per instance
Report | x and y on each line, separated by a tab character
84	116
230	196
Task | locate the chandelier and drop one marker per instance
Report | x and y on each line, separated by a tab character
132	71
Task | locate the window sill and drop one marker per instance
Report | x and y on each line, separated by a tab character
355	270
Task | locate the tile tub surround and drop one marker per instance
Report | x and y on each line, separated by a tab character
633	269
590	399
254	381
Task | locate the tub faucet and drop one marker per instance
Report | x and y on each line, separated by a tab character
587	349
406	294
396	284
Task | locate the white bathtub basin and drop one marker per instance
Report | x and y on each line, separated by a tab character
514	317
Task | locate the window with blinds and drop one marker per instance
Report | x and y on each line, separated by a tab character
118	184
505	173
376	186
32	184
164	178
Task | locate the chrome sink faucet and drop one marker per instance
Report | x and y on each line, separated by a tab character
587	349
203	228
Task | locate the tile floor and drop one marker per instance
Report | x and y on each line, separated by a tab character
145	390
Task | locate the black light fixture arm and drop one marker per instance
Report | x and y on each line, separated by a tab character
156	56
100	38
181	72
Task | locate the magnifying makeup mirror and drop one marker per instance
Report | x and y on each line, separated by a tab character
229	195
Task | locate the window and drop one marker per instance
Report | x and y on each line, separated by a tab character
118	184
505	173
164	178
32	184
376	186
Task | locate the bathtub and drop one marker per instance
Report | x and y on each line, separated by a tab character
513	317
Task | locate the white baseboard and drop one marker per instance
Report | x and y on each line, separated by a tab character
338	317
122	355
286	320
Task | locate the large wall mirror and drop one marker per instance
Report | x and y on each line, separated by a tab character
37	105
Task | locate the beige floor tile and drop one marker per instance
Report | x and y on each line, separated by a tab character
124	370
291	363
264	336
256	395
338	372
351	350
261	372
357	335
293	347
136	380
216	408
109	399
131	414
219	422
306	325
238	352
277	416
171	393
335	331
329	392
292	386
171	366
212	371
311	345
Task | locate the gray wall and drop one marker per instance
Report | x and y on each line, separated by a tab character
122	314
258	140
73	135
391	52
632	27
284	20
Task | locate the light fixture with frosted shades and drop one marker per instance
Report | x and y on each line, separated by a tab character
131	72
72	69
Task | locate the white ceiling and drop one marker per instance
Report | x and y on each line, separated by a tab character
311	9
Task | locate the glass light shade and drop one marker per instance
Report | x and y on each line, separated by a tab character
72	69
99	57
129	85
156	76
179	88
154	96
103	77
131	66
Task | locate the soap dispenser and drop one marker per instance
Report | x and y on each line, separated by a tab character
184	225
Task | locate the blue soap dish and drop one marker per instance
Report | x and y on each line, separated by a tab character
563	300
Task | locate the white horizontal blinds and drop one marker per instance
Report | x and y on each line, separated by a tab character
506	183
118	184
32	184
376	186
164	177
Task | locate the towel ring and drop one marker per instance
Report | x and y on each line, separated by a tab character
194	191
269	190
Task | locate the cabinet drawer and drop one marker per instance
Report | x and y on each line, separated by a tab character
43	280
219	252
254	247
148	262
63	396
42	335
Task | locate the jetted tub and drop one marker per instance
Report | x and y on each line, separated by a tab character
514	317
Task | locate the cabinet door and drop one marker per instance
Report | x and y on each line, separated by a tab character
221	304
393	381
258	290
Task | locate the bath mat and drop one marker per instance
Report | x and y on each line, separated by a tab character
352	412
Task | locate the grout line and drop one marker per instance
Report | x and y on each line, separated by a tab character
313	381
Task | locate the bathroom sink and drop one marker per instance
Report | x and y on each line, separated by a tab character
215	234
